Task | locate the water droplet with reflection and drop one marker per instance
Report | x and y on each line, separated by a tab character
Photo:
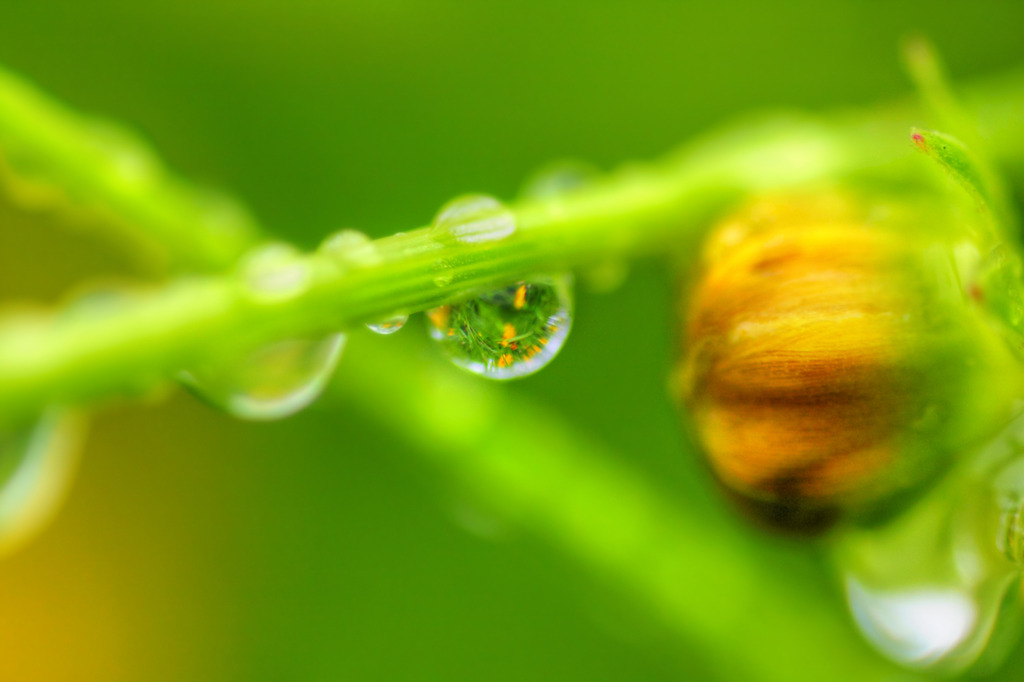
388	326
507	333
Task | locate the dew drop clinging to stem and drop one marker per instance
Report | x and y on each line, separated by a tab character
474	218
558	179
350	249
388	326
444	273
275	272
507	333
272	382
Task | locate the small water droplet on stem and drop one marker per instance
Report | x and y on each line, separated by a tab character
474	218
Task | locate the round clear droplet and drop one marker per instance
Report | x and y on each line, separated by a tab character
388	326
558	179
37	461
474	218
272	382
275	272
350	249
509	332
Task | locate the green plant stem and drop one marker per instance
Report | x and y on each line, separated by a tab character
752	613
640	209
51	154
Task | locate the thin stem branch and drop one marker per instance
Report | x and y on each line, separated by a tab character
149	337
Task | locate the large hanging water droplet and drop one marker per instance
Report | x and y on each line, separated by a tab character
507	333
275	272
388	326
474	218
36	464
927	588
272	382
914	626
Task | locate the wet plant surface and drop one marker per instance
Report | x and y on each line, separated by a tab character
599	544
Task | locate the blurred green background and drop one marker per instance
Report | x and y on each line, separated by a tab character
197	547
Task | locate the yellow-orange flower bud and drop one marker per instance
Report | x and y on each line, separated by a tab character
827	360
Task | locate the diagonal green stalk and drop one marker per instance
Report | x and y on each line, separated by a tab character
51	154
77	358
751	612
149	337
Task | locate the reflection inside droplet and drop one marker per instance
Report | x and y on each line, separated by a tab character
509	332
388	326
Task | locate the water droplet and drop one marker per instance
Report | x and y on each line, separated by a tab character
275	272
36	464
916	626
272	382
507	333
350	249
558	179
388	326
444	273
474	218
927	588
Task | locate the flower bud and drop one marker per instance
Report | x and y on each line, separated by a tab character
832	363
